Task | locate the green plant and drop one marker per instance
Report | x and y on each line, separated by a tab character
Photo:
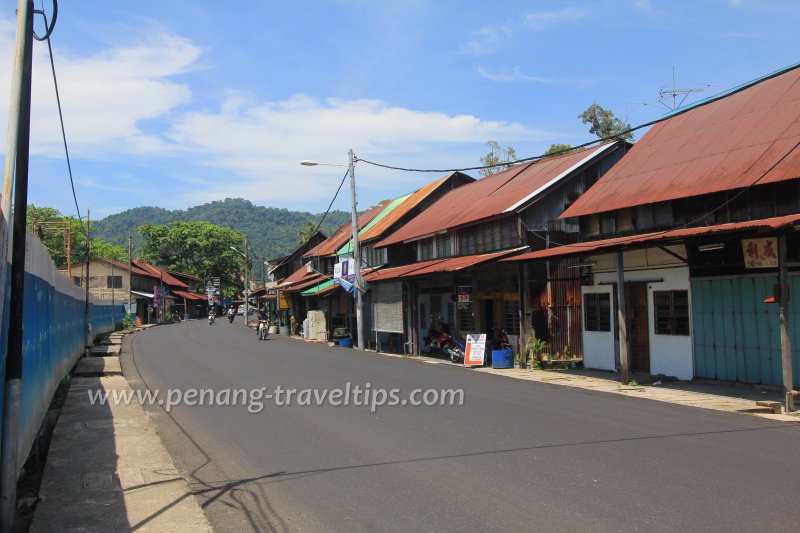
535	346
633	383
127	322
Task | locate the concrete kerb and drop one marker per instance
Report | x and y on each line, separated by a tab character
611	385
107	469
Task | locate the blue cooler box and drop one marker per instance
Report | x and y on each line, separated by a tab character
503	358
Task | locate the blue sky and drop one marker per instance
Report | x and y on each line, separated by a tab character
176	103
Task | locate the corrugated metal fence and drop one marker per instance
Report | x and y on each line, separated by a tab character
53	330
736	335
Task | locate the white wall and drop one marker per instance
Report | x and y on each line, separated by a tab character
670	355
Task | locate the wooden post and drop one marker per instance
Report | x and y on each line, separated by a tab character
624	351
786	340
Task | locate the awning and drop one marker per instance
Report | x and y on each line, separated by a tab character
607	245
450	264
143	294
317	288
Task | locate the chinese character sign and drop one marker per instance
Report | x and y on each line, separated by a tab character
760	253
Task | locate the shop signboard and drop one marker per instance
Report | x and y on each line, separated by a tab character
760	253
475	350
464	293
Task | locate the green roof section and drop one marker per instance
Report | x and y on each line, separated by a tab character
316	289
391	206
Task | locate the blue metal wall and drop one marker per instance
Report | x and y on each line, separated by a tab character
736	335
52	339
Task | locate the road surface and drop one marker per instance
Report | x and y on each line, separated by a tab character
518	455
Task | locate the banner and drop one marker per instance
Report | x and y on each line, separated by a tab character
475	351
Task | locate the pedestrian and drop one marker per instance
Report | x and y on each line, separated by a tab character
292	325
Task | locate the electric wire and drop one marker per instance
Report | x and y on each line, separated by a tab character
619	136
325	214
58	102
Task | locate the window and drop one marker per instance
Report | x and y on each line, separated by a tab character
597	311
466	318
671	312
511	317
443	246
488	237
113	282
425	250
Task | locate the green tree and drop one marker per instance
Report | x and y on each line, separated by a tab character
557	149
604	124
54	241
499	158
198	248
306	232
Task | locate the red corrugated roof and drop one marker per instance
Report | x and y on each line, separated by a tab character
190	295
297	276
124	266
491	196
304	284
160	273
344	233
619	242
398	212
729	143
449	264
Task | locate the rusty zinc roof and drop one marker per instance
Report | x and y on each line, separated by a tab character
385	223
447	264
746	136
159	273
493	195
605	245
344	233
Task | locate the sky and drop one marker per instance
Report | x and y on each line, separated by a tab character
181	102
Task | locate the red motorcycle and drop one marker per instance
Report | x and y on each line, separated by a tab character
435	340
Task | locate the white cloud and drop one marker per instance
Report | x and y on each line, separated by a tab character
106	96
538	20
515	75
263	143
485	40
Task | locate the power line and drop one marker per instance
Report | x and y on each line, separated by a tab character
46	37
325	214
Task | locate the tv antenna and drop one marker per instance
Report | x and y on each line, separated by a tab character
676	94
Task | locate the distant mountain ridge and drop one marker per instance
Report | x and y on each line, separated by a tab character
271	230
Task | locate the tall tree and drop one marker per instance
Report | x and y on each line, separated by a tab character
198	248
499	158
557	149
604	124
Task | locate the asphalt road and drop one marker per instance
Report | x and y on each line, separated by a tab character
518	455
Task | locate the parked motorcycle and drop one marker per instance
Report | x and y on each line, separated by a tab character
435	340
263	330
455	348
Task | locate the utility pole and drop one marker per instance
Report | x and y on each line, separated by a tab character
21	107
622	324
356	252
246	280
113	311
86	325
130	280
786	338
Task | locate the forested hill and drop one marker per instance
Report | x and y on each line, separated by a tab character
272	231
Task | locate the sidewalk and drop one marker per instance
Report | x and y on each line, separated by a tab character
706	395
107	469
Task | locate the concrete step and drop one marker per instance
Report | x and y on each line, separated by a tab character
98	367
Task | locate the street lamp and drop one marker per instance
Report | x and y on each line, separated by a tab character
351	169
246	278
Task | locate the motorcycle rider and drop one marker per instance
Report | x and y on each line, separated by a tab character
231	314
